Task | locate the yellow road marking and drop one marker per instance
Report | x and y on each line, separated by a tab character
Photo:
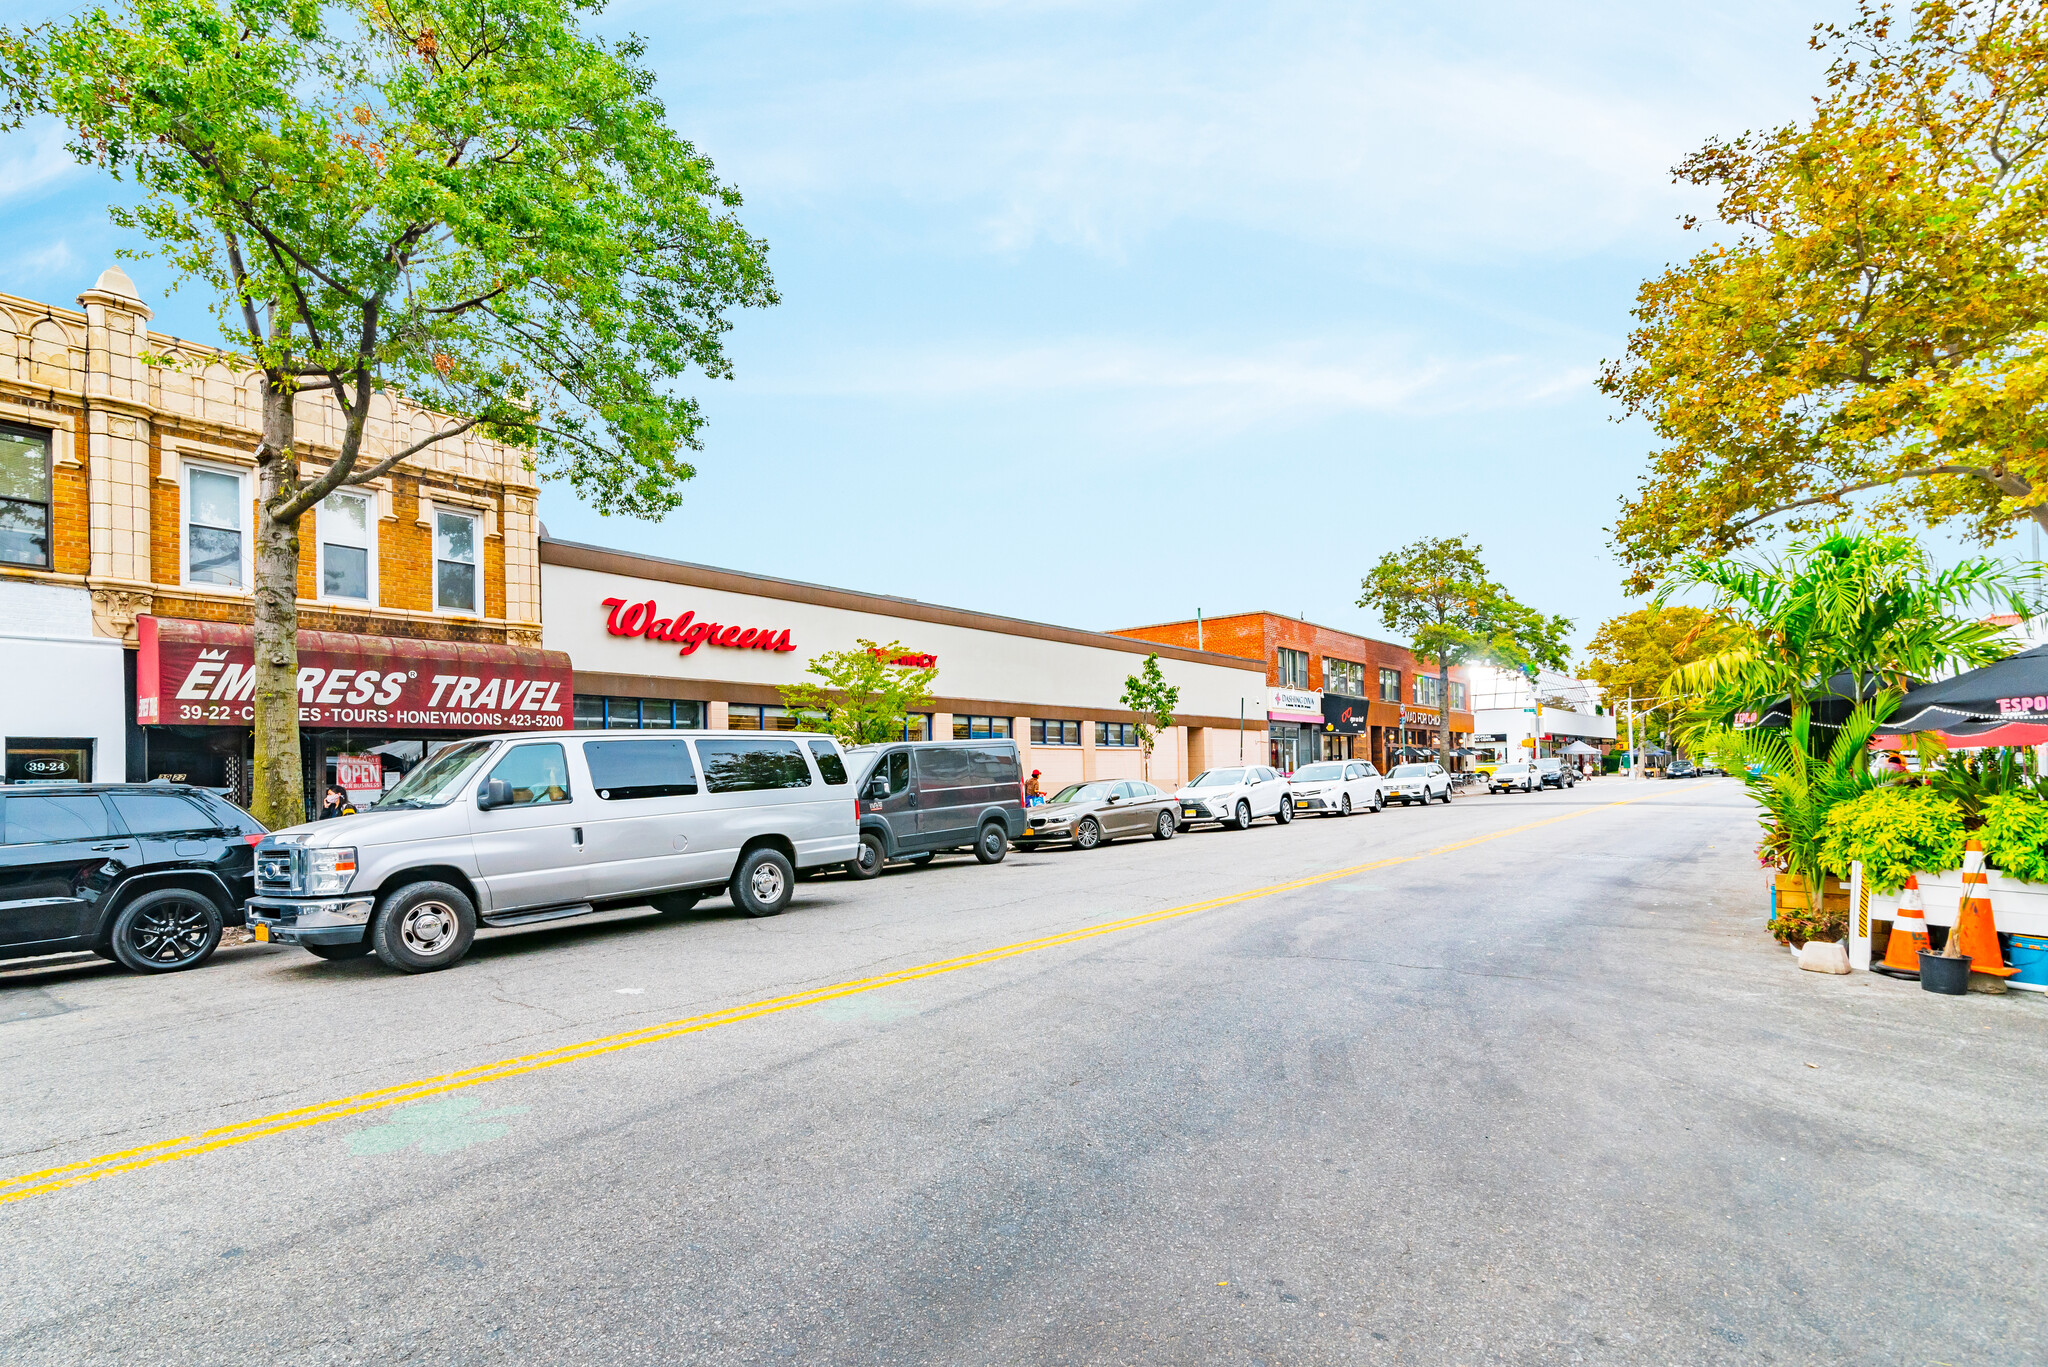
242	1132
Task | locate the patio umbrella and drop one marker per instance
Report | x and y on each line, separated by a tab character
1579	747
1830	707
2006	698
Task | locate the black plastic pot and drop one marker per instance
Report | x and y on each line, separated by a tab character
1950	977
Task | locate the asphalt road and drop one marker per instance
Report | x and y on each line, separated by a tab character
1527	1085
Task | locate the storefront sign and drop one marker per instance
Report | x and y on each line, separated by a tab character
204	674
1411	717
1344	716
908	661
644	619
359	772
1294	704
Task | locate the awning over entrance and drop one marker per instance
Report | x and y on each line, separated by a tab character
204	674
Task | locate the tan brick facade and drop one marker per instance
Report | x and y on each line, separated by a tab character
124	433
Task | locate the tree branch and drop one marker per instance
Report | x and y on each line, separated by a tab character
2003	483
365	476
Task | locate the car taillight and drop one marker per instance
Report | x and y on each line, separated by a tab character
252	839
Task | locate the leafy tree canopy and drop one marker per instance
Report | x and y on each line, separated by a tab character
1149	695
864	694
1876	324
1633	654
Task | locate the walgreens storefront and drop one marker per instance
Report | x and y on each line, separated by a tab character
663	643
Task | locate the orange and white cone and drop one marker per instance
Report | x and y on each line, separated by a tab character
1909	934
1976	933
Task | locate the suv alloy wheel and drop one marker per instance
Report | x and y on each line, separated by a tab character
1244	816
165	931
1286	812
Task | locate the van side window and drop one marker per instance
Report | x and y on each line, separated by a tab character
894	772
942	766
621	770
829	764
994	766
538	774
746	766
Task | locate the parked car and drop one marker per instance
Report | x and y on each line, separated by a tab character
1418	783
145	874
1711	768
1680	768
543	826
1085	815
920	799
1338	788
1555	773
1235	797
1520	776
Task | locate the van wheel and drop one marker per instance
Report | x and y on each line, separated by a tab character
1165	827
676	903
166	931
993	845
1088	834
423	927
869	861
763	883
336	952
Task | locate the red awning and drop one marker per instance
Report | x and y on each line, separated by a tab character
203	674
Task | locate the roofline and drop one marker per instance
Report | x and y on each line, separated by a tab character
582	555
1285	617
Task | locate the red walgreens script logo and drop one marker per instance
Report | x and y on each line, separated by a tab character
639	619
908	661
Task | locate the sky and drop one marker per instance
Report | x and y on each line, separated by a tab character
1104	313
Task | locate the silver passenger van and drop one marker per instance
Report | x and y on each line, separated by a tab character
541	826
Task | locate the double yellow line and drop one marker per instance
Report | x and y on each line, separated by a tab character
242	1132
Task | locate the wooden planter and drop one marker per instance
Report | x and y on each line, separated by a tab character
1792	902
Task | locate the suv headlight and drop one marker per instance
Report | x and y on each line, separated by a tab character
330	871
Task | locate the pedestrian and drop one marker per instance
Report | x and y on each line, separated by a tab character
336	803
1033	795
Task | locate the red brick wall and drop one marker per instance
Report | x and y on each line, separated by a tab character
1261	635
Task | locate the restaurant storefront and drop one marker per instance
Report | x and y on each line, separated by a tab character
663	643
370	707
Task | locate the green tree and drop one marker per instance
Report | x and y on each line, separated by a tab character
1436	591
1633	654
467	203
867	693
1876	321
1149	695
1873	606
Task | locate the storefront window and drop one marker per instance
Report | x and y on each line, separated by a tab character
213	527
980	728
758	717
1292	668
344	524
1045	731
1343	676
917	726
1116	734
24	497
596	712
48	760
1390	685
455	561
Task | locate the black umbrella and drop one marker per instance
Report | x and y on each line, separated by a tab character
1831	706
2013	690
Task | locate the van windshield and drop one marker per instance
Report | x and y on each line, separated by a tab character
438	780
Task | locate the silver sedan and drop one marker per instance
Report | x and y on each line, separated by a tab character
1085	815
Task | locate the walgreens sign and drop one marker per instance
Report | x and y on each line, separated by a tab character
686	631
204	674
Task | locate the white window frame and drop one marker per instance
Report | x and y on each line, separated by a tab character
369	502
243	501
476	520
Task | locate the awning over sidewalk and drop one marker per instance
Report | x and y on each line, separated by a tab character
204	674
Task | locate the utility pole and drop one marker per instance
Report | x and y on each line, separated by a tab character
1635	762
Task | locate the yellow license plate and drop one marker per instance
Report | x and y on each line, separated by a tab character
262	932
1029	831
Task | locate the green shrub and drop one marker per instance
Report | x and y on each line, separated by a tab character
2015	829
1894	832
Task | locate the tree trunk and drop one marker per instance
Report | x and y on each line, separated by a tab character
279	795
1443	704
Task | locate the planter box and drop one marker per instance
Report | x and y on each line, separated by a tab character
2016	907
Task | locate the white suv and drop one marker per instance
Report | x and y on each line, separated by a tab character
1338	787
1418	783
1519	775
1235	798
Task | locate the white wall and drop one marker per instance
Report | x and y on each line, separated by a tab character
56	677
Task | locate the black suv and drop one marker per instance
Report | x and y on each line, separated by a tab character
145	874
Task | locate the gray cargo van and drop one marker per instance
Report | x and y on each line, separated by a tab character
919	799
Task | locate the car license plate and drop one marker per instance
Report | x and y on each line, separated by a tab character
1191	811
261	931
1029	831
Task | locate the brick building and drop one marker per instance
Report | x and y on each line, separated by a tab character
127	503
1332	694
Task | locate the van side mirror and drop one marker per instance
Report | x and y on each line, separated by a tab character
495	792
878	788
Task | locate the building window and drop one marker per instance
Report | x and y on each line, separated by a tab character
760	717
980	728
24	497
1342	676
1390	685
595	712
1293	668
1457	696
38	759
455	562
345	523
214	539
1429	690
1116	734
917	726
1045	731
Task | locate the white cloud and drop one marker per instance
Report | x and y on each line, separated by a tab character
33	161
56	260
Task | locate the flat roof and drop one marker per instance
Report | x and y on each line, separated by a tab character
1283	616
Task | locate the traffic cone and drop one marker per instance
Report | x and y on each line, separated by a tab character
1909	934
1975	936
